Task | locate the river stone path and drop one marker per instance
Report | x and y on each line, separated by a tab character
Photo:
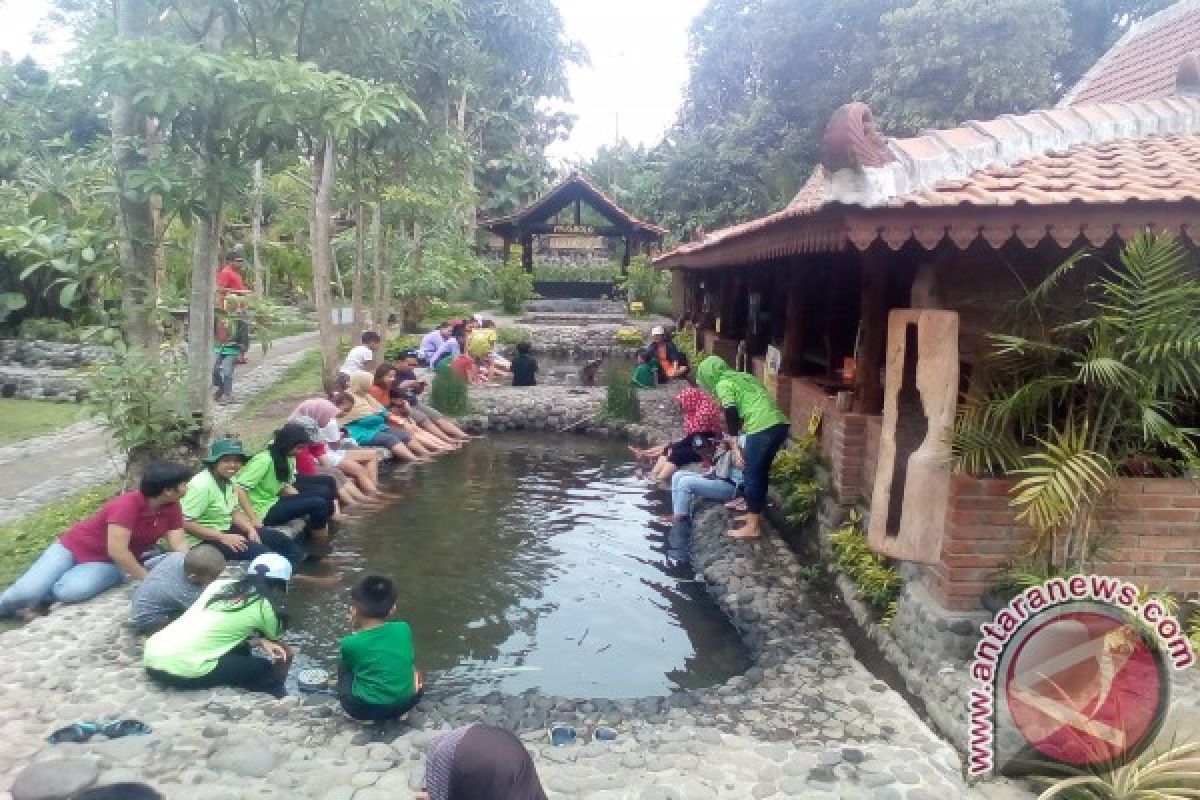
39	471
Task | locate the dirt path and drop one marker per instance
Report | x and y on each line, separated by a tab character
39	471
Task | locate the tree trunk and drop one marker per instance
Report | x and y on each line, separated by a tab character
384	239
469	221
360	245
136	247
321	243
260	278
379	310
205	253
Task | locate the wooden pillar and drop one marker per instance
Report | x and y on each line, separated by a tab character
578	212
868	387
508	243
793	331
527	252
628	254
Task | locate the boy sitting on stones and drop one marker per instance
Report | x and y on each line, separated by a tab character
174	583
376	679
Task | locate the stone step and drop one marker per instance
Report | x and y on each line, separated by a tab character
59	355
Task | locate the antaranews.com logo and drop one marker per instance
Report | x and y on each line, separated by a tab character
1074	671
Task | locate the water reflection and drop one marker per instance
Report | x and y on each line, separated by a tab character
529	562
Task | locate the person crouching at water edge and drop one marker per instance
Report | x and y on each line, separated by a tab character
749	410
377	680
212	643
720	483
98	553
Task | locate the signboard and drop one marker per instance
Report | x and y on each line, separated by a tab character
576	230
771	366
574	242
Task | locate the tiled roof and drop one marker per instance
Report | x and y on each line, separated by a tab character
576	179
984	179
1144	63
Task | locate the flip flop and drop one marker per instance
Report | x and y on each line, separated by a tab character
735	534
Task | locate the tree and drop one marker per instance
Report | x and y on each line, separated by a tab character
946	61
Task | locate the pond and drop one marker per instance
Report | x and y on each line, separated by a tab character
530	562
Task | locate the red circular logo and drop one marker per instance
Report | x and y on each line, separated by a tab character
1084	687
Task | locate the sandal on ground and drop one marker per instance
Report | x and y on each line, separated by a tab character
739	535
737	504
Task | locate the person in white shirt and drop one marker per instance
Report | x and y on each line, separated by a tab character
360	358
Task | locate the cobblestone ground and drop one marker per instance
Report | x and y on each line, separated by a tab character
807	720
40	471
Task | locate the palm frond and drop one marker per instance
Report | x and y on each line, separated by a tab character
1062	481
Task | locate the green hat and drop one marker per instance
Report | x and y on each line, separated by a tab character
225	447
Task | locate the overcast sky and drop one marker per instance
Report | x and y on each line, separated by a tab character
638	51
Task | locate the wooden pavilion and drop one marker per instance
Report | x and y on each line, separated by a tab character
574	207
961	220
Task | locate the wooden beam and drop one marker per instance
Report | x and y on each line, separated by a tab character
602	230
793	331
527	252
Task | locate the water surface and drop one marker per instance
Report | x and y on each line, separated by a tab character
529	562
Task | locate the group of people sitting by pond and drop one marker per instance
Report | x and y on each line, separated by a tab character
470	348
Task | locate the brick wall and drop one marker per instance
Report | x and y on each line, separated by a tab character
1155	525
844	439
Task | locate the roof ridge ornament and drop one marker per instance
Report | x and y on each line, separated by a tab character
853	141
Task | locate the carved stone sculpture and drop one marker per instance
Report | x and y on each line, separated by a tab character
852	141
912	478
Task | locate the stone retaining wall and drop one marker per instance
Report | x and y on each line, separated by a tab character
58	355
581	340
41	384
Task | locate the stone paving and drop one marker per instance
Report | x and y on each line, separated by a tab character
39	471
806	720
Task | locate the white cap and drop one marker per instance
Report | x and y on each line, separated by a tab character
271	565
331	433
657	330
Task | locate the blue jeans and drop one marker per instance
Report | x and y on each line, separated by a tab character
758	452
222	377
56	576
686	485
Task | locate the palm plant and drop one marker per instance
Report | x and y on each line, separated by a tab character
1170	774
1071	406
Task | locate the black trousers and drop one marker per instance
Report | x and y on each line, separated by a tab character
370	712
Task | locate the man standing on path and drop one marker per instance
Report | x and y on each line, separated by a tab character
229	282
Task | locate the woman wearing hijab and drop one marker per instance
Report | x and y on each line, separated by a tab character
702	426
360	464
749	411
366	420
385	393
480	762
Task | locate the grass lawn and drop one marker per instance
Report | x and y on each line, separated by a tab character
268	410
21	542
26	418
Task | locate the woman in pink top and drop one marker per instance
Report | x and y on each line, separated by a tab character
99	552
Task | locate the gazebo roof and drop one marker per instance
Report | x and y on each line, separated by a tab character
574	187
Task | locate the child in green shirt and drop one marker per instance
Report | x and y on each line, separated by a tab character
644	376
377	680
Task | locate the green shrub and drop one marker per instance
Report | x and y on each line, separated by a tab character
649	286
688	344
877	581
49	330
393	347
794	472
448	394
143	403
512	335
565	272
514	286
629	337
621	402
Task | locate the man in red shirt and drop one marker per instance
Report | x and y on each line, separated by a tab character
99	552
229	282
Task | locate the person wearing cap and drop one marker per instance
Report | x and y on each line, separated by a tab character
669	362
212	643
217	511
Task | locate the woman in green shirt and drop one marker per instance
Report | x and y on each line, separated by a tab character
267	480
749	411
210	645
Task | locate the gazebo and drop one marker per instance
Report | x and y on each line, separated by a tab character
574	207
